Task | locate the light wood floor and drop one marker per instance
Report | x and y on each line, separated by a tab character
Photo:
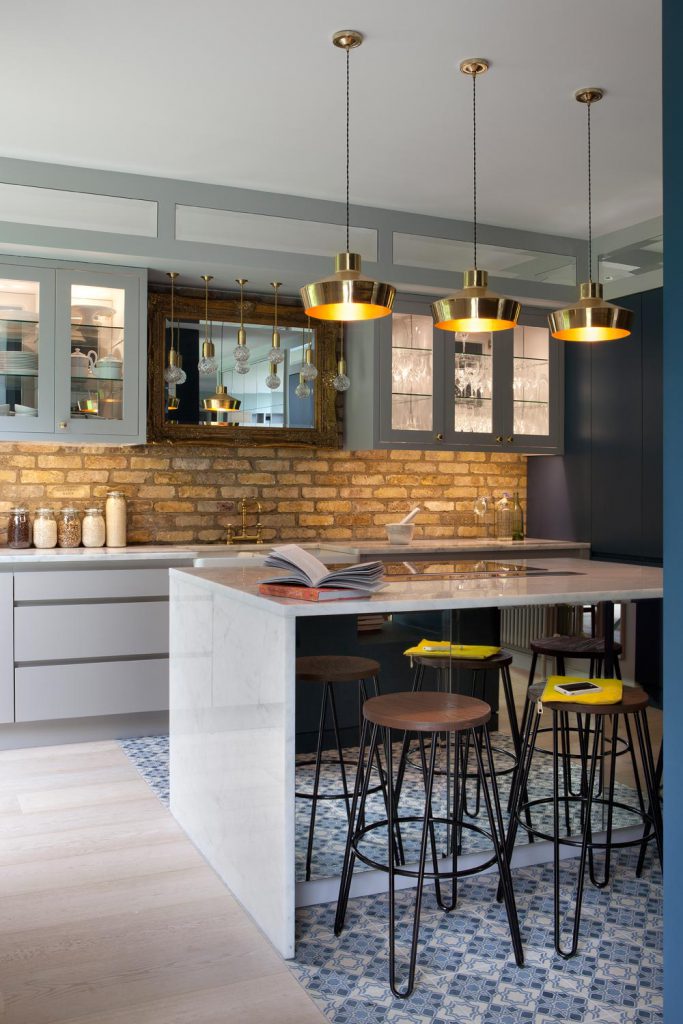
108	915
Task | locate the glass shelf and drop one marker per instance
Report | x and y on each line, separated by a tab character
95	327
471	398
91	379
409	394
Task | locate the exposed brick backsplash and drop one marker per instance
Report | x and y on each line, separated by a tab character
180	494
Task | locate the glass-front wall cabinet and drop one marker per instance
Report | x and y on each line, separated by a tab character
70	356
469	391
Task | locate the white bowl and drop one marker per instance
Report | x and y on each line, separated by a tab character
400	533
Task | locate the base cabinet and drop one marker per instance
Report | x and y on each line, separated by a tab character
80	643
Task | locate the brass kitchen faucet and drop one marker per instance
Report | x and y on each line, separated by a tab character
244	537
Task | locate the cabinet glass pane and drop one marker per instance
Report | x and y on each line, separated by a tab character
411	372
473	384
19	352
97	352
530	381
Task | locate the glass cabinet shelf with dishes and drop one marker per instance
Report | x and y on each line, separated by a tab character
72	352
435	389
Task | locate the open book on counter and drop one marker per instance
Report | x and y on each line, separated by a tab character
307	578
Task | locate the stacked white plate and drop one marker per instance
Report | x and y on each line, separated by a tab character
21	363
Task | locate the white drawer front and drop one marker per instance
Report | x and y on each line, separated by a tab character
102	688
79	584
73	631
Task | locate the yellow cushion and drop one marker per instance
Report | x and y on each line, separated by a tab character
611	693
445	649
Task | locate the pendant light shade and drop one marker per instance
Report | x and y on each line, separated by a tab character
474	307
347	294
591	318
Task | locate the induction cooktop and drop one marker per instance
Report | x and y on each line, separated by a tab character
463	570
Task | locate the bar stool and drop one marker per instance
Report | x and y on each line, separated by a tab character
443	668
329	671
427	714
632	707
591	649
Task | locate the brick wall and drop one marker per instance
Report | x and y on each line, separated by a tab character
181	494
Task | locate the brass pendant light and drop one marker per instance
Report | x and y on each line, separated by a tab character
347	294
591	318
474	307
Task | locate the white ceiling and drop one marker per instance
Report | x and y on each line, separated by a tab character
253	95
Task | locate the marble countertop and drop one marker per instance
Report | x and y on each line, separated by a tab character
568	580
353	549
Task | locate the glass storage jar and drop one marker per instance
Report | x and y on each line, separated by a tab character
93	528
44	528
69	528
115	517
18	528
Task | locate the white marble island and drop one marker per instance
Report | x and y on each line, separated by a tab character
232	705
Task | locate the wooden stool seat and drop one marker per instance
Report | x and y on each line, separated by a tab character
572	646
501	660
426	712
634	699
333	668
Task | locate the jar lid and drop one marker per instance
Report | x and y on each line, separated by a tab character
69	511
45	511
18	509
93	511
115	494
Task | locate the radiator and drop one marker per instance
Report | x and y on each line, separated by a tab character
518	626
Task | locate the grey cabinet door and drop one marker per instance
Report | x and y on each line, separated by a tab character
27	316
411	357
99	375
530	400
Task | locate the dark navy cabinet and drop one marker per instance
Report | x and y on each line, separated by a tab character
607	487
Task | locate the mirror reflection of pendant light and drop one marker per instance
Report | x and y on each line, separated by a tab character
474	307
207	363
302	390
276	354
183	376
272	380
220	401
347	294
309	370
172	373
591	318
341	381
241	352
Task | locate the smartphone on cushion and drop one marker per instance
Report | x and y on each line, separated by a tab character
573	689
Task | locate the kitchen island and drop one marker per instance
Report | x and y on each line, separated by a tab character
232	704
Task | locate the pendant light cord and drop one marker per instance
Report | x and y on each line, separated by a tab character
348	107
474	162
590	199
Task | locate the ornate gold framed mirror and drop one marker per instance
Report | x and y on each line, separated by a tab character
224	404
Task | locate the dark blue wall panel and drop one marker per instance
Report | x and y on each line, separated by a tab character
673	510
